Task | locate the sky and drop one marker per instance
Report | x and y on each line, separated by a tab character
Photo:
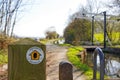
43	14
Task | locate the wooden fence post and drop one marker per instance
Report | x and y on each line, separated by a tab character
65	71
26	60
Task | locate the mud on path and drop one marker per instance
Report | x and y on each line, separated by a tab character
55	54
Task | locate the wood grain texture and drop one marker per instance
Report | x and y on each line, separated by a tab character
18	66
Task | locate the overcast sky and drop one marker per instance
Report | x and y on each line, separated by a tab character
44	14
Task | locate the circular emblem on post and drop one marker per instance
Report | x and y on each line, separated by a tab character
35	55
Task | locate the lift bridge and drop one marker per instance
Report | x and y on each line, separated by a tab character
98	19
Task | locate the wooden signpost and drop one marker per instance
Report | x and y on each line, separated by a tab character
26	60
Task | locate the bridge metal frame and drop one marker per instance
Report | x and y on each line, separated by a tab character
98	51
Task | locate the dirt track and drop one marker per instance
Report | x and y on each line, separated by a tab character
55	55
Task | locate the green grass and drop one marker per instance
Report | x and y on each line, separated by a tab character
100	37
71	54
3	57
44	41
67	45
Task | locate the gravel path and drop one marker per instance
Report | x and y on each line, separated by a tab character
55	55
3	72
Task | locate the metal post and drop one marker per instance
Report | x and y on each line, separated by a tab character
99	52
104	29
92	29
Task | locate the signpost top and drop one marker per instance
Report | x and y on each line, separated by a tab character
26	41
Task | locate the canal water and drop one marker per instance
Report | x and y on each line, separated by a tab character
112	64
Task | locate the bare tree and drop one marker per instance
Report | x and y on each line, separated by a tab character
8	10
116	3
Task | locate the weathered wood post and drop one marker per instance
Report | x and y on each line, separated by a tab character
26	60
82	56
65	71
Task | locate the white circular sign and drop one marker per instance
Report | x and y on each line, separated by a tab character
35	55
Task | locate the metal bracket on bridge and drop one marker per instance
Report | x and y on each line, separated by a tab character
102	63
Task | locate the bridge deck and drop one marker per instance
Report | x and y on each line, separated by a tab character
91	48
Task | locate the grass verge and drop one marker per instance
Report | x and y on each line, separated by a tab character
71	54
3	57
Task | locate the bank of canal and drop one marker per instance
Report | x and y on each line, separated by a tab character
112	63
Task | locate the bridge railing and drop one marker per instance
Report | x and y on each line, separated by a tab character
99	52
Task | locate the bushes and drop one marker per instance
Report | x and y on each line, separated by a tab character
77	30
